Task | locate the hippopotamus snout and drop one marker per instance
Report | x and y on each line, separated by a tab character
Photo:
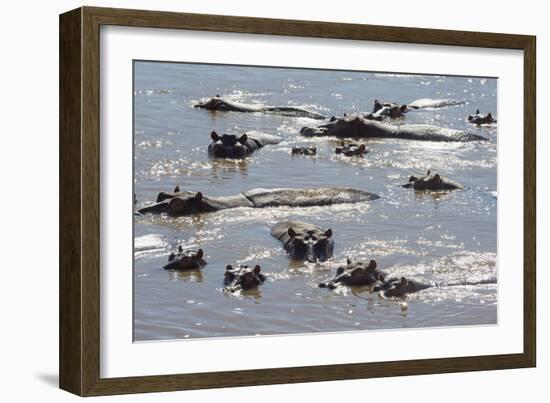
310	246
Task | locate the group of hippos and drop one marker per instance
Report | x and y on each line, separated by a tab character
304	241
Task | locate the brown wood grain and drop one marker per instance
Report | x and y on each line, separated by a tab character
80	195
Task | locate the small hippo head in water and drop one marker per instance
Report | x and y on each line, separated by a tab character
310	245
388	109
188	260
355	274
242	278
351	149
347	126
214	103
187	204
399	288
231	146
479	119
432	182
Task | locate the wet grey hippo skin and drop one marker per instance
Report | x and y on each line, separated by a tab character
398	288
188	260
358	127
432	182
218	104
480	119
304	150
231	146
351	149
356	274
433	103
242	278
304	241
186	203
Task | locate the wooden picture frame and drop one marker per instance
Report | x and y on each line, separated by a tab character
80	199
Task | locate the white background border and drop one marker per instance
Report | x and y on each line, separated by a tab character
120	357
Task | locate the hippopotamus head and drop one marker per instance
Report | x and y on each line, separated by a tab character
355	274
188	260
184	205
310	245
347	126
432	182
211	104
229	145
242	278
399	288
388	109
351	149
480	119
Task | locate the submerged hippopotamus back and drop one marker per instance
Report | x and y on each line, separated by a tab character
355	126
242	278
186	203
432	182
304	241
185	260
433	103
355	274
480	119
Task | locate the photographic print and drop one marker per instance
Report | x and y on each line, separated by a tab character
274	200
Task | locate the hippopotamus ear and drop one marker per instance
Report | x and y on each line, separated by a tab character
257	269
198	196
489	116
243	139
328	233
362	148
214	136
413	178
348	261
470	117
372	265
171	257
228	267
180	249
177	189
477	112
291	232
403	281
403	108
332	118
199	254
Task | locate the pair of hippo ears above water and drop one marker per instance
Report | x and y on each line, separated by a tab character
230	137
292	233
372	264
256	270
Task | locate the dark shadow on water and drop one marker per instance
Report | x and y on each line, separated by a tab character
49	379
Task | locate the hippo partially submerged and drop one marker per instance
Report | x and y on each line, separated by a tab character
433	103
186	203
480	119
356	274
432	182
231	146
218	104
242	278
304	151
351	149
304	241
185	260
399	288
355	126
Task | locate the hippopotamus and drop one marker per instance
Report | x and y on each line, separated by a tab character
186	203
399	288
355	126
185	260
356	274
386	109
304	150
231	146
480	119
432	182
218	104
304	241
242	278
351	149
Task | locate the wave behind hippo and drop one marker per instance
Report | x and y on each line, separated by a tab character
186	203
219	104
359	127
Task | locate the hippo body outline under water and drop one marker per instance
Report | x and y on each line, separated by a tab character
432	182
187	203
304	241
355	126
231	146
218	104
242	278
